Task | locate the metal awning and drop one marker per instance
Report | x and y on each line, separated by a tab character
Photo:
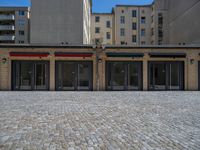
167	55
29	54
125	54
67	54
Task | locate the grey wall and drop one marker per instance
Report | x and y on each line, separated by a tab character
184	22
56	21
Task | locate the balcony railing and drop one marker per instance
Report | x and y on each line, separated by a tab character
7	27
7	37
7	17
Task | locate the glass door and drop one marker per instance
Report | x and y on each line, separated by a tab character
118	76
41	76
134	76
159	76
30	75
124	75
84	76
166	75
72	76
25	76
69	73
175	76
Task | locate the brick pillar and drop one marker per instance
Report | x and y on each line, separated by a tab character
192	71
145	72
52	74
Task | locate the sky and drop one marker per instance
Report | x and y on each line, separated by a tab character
98	5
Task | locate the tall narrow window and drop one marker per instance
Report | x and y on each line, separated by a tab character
134	26
108	24
143	32
134	13
108	35
134	38
97	30
97	19
122	32
143	20
122	19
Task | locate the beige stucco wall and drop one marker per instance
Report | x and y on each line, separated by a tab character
99	75
103	28
142	11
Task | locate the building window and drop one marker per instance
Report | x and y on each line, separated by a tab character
143	43
143	11
97	30
21	32
123	43
122	32
143	20
122	11
97	41
151	19
21	42
97	19
134	26
134	13
108	35
134	38
108	24
21	22
143	32
152	31
21	13
122	19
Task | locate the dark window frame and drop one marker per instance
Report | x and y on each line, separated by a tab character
181	75
33	63
126	67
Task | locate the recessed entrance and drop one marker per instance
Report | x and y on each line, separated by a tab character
124	75
166	75
73	76
30	75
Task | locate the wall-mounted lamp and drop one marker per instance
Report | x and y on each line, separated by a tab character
191	61
99	60
4	60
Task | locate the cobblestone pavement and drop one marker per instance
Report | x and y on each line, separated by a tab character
99	120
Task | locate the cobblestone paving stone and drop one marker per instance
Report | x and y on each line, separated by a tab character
99	120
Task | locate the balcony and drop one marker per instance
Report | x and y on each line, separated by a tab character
7	27
7	37
7	17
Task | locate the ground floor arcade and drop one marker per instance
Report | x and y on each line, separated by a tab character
88	68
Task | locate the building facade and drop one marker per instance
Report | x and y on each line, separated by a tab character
14	25
90	68
132	25
60	22
102	29
161	23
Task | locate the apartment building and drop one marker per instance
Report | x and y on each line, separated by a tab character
132	25
160	23
60	22
102	29
14	25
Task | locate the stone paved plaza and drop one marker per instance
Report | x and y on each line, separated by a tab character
99	120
